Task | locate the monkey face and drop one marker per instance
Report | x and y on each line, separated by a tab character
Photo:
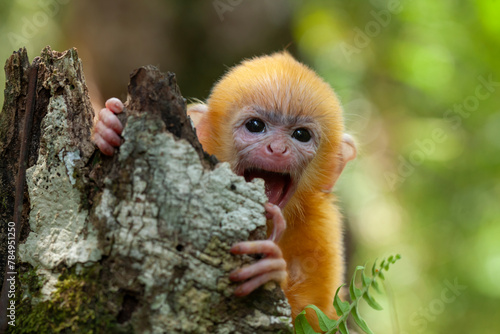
273	118
275	147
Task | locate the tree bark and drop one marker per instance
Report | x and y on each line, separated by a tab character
137	243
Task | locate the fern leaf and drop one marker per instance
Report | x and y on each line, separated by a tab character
353	290
302	326
376	286
345	309
340	306
361	323
325	323
374	268
365	280
343	328
373	304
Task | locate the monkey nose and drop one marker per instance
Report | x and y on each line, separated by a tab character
277	149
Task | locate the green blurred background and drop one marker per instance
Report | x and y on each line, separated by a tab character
420	85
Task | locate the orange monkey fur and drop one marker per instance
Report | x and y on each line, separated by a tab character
312	242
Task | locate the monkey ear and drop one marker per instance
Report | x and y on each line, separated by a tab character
197	113
346	154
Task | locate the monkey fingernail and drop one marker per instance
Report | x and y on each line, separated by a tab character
234	276
239	291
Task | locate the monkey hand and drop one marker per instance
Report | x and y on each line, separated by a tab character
107	128
272	267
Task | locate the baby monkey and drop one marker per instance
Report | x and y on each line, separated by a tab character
273	118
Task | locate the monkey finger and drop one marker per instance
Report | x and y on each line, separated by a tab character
110	120
115	105
107	134
259	268
266	247
279	223
104	146
247	287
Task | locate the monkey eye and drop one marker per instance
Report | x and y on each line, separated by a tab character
255	125
302	135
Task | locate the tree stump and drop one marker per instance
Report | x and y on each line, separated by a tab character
137	243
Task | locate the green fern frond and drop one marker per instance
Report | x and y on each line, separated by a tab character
345	309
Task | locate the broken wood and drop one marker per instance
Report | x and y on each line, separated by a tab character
137	243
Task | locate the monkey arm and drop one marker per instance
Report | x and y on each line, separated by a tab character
272	267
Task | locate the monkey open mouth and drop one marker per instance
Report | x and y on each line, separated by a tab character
279	186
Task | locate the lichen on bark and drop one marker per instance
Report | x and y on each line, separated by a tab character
60	229
174	222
